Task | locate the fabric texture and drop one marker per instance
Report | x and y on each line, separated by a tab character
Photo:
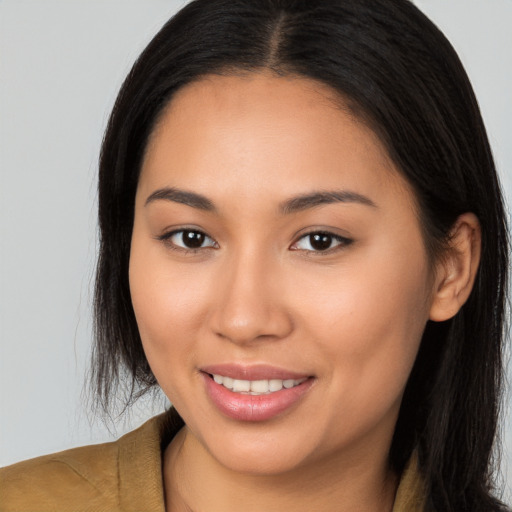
125	475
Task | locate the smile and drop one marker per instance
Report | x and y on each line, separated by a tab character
265	393
256	387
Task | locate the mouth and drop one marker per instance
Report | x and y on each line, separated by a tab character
257	393
256	387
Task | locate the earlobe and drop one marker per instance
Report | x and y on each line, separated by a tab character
456	269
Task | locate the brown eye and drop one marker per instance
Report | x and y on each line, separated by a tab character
319	241
188	239
192	239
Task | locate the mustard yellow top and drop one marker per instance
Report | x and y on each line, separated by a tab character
125	475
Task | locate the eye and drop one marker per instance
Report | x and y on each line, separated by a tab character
321	241
188	240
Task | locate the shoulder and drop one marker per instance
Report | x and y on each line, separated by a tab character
59	481
121	475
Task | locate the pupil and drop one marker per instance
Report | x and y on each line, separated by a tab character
193	239
320	241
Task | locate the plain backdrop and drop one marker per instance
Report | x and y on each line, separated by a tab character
61	65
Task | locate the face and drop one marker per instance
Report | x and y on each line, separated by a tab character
278	273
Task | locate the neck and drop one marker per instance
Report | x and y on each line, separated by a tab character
195	482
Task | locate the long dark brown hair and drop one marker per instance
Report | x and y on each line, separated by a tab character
400	75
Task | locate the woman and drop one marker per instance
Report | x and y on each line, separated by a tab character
303	243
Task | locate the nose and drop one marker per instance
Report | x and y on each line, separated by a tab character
250	304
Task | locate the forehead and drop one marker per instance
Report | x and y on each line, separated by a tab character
263	99
257	131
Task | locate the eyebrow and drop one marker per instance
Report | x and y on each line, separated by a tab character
293	205
182	196
311	200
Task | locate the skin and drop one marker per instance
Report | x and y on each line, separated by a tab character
351	317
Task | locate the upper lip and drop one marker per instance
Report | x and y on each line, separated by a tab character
252	372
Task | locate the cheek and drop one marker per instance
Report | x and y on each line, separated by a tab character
167	305
368	321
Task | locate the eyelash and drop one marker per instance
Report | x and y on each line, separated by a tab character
166	238
342	241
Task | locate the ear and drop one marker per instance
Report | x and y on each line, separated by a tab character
456	270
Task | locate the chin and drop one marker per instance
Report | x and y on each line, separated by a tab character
260	459
262	449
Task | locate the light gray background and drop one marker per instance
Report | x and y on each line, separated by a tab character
61	64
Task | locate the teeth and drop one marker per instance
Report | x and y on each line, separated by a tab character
241	385
260	386
256	387
275	385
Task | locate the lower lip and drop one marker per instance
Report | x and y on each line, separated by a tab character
242	407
